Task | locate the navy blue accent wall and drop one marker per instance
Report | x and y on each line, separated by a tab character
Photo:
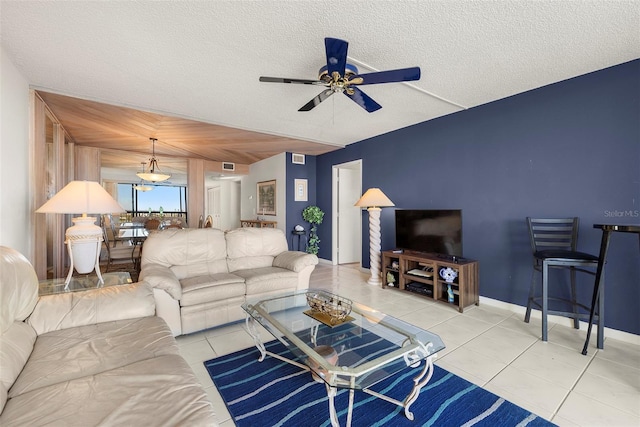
294	209
567	149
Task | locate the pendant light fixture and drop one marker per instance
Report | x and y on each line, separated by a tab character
153	174
142	186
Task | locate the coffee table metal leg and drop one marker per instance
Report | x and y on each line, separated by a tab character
314	334
331	393
251	327
350	413
418	382
413	360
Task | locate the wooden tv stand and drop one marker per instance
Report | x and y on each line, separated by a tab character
418	272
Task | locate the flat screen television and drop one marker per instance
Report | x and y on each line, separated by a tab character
434	231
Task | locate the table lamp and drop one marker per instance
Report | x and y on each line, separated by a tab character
374	199
84	238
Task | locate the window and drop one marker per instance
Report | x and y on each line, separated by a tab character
166	199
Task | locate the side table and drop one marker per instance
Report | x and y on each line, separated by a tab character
83	283
302	238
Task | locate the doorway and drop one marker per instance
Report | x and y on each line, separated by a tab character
213	205
347	224
223	204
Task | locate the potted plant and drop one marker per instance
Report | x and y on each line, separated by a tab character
313	215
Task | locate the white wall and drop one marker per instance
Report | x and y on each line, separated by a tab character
15	210
265	170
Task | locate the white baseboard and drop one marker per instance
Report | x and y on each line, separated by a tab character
536	314
560	320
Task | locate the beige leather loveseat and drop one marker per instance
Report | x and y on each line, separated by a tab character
98	357
202	276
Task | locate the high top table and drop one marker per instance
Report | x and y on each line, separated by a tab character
607	229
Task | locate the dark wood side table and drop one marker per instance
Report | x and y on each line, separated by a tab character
607	229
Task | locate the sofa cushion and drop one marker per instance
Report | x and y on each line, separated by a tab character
267	279
67	354
202	316
159	391
16	344
254	247
72	309
188	252
216	287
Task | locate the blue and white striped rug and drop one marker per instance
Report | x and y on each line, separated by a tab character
275	393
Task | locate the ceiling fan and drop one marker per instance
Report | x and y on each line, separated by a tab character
341	77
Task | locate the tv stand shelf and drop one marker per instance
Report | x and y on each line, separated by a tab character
419	272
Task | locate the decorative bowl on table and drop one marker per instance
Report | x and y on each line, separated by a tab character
328	308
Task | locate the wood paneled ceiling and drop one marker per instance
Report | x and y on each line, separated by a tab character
123	135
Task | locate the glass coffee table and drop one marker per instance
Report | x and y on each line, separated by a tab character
343	348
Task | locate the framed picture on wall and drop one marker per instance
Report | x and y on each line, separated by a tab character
267	197
300	188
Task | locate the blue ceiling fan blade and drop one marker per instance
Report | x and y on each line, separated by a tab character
317	100
336	55
400	75
288	80
363	100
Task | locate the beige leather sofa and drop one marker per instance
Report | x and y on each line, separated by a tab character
97	357
202	276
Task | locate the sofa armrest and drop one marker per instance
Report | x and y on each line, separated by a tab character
168	309
63	311
294	261
161	277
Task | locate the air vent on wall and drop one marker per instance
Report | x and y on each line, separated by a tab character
298	159
227	166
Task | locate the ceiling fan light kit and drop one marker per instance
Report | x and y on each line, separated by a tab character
338	76
153	174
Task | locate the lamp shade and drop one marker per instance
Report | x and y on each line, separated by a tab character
374	197
81	197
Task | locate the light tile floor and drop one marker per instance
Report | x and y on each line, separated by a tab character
490	347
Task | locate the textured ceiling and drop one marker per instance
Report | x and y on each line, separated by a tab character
201	60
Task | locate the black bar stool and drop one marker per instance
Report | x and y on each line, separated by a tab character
554	242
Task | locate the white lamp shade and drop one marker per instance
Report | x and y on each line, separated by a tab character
82	197
374	197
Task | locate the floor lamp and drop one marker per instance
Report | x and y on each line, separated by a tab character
374	199
84	237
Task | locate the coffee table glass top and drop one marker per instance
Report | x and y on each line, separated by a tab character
83	282
370	346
